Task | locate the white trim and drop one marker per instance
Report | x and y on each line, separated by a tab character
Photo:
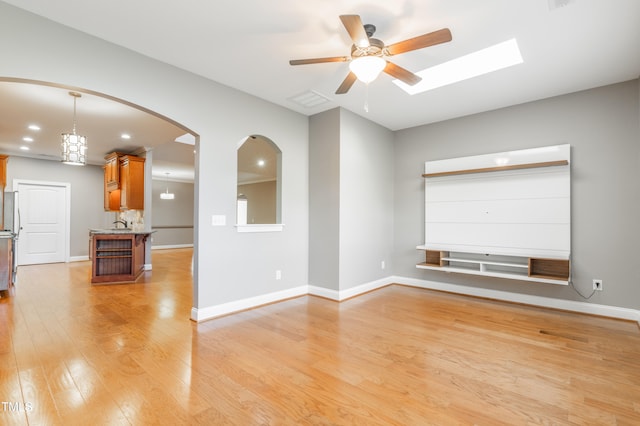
148	267
340	295
171	246
526	299
67	214
327	293
268	227
252	182
79	258
209	312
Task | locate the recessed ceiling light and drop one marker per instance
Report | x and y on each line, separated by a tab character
261	163
34	127
493	58
125	136
24	148
27	139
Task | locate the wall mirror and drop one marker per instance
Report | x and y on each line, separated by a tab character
259	182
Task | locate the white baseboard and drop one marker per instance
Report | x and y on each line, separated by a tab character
171	246
78	258
324	292
526	299
201	314
350	292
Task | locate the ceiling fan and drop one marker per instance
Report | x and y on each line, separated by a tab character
368	54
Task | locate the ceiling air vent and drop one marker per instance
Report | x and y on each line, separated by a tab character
309	99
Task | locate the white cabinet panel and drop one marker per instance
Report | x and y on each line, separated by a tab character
523	212
526	211
541	240
517	184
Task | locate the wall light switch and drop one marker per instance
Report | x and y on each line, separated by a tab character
218	220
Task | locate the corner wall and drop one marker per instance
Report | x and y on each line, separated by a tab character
351	204
324	200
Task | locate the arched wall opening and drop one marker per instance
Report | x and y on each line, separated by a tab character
259	181
101	117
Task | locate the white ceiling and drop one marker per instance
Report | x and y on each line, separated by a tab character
247	45
102	120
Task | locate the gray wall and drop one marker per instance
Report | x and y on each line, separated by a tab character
366	200
172	219
87	203
261	201
351	200
324	199
37	49
603	127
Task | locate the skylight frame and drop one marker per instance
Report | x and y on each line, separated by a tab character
493	58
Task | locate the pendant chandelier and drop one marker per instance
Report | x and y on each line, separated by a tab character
74	146
167	195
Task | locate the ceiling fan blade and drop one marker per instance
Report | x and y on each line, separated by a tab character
346	84
401	74
425	40
319	60
354	27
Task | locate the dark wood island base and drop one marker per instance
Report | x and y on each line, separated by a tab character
117	256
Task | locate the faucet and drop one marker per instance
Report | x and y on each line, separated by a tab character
124	222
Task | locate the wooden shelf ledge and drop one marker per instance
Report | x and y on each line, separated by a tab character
497	168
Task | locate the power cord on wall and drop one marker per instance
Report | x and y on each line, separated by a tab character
578	291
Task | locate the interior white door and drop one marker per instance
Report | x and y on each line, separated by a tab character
43	235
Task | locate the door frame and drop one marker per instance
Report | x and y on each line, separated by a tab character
67	210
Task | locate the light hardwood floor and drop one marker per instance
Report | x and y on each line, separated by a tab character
76	354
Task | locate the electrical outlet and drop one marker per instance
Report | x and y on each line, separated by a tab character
382	265
278	274
597	285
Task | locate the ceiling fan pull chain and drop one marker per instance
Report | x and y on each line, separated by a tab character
366	98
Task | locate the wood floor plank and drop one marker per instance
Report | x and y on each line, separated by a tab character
128	354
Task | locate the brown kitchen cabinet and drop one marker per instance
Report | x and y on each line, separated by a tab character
123	182
131	183
3	170
112	171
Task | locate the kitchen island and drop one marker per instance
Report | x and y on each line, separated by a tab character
117	255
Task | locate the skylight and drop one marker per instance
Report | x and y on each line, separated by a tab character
493	58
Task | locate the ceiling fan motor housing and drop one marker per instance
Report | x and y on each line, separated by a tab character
370	29
375	48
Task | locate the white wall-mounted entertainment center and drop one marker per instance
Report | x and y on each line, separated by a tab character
505	214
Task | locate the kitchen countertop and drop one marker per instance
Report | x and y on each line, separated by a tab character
118	231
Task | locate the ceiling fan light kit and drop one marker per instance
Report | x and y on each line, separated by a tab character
368	54
74	146
367	68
